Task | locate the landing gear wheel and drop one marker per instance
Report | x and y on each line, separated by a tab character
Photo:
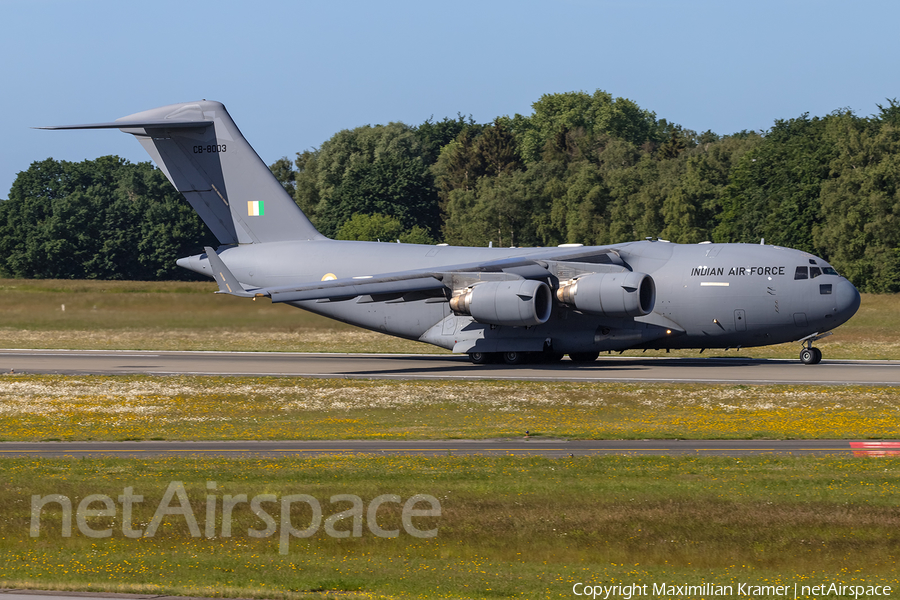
810	356
583	357
807	356
514	358
480	358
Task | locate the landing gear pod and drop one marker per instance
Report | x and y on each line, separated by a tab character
625	294
517	303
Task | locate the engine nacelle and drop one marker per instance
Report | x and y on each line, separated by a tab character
518	303
625	294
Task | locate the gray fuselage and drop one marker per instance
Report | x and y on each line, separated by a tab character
707	295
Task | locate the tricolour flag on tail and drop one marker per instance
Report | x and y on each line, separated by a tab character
255	208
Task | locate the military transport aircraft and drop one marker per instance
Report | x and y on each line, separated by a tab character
509	304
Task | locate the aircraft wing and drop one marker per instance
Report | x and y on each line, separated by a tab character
524	267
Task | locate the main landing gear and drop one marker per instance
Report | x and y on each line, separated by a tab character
513	357
810	355
518	358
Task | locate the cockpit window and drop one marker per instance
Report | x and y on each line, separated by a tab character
814	272
825	288
828	271
801	273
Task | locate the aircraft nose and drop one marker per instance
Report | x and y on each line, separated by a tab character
846	300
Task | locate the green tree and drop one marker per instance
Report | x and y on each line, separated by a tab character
474	153
579	206
594	115
637	197
434	135
100	219
860	227
382	228
372	170
496	149
774	188
283	170
505	210
459	165
690	210
306	183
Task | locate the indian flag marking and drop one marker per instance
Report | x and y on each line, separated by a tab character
255	208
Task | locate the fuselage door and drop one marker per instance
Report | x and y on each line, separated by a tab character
740	320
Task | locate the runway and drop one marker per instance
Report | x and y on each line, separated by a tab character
492	447
448	367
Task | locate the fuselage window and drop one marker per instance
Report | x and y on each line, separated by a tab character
825	288
814	272
801	273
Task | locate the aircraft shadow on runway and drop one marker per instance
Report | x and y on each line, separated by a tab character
459	365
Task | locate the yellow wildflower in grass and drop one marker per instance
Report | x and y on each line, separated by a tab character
35	407
505	528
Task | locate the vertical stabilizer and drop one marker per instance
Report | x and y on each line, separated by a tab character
206	158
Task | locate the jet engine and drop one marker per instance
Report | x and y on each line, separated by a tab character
625	294
518	303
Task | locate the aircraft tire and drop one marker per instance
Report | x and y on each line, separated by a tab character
480	358
818	357
810	356
514	358
583	357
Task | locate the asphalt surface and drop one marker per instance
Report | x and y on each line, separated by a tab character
493	447
447	367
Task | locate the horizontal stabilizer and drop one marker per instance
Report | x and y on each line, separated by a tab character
157	124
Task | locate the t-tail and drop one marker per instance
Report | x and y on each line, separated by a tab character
204	155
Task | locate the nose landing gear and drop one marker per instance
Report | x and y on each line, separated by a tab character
810	355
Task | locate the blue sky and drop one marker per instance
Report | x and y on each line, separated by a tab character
294	73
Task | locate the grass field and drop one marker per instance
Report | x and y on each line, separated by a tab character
505	528
52	407
188	316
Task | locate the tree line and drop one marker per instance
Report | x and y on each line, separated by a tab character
582	168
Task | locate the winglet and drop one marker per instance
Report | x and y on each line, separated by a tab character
228	283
